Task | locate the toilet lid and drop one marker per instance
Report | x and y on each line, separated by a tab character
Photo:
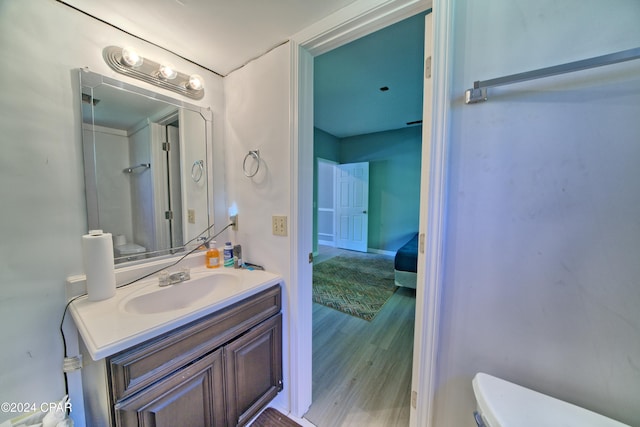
129	248
504	404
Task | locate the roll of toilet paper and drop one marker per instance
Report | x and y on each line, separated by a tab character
119	240
97	255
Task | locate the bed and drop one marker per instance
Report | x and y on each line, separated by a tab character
406	263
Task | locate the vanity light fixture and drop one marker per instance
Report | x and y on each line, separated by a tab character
167	72
128	62
131	58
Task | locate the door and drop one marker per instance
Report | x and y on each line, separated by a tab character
165	158
432	206
352	206
192	396
253	370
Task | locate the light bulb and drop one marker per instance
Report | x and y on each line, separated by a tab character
167	72
195	82
131	58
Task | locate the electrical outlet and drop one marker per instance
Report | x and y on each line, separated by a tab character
279	225
191	216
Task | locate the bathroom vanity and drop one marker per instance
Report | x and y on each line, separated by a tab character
217	364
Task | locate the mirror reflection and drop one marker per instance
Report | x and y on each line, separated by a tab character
145	162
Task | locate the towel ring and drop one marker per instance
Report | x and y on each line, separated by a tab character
255	154
197	170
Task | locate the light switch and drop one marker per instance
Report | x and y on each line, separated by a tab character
279	225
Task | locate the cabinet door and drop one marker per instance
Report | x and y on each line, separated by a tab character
134	369
253	370
192	396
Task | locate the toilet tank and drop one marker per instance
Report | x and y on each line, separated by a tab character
504	404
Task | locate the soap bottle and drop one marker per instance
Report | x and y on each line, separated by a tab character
237	256
228	255
212	256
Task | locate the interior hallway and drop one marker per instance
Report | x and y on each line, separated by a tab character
362	370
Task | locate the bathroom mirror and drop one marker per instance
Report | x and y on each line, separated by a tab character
145	165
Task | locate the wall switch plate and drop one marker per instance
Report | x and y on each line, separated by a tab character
191	216
279	225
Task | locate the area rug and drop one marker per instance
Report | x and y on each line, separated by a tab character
272	418
358	285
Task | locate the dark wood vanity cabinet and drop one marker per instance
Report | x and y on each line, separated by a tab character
193	396
220	370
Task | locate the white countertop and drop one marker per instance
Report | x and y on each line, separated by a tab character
107	329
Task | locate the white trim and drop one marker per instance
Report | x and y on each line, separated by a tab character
356	20
300	296
428	301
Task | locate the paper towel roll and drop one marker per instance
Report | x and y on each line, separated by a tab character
97	255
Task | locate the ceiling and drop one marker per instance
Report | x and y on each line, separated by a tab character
347	81
220	35
223	36
120	109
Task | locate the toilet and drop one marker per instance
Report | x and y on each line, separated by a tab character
504	404
131	251
123	249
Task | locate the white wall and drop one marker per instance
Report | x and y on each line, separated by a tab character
543	237
257	113
41	180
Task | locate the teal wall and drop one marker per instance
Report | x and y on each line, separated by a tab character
394	180
325	145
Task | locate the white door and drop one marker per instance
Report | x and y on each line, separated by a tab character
352	181
431	238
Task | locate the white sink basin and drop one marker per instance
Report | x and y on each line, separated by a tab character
145	310
181	295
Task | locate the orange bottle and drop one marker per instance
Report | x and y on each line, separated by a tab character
212	256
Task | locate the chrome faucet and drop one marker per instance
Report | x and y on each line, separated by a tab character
166	279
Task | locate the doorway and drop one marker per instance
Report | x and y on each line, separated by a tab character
329	34
395	154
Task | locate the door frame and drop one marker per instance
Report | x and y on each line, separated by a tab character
350	23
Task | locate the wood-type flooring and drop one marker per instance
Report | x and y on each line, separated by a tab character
362	370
